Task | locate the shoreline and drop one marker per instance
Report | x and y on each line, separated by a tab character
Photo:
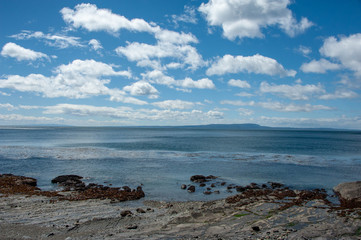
251	214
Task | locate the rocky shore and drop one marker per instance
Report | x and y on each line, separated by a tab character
256	211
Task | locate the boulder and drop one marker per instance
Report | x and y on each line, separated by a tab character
184	186
67	178
349	194
198	178
191	189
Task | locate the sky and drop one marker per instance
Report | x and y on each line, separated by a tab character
281	63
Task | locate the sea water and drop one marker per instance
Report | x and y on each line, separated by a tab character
161	159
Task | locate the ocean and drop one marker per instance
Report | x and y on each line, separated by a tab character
161	159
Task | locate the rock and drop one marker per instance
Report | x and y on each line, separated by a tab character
191	189
64	178
26	181
240	189
202	185
213	185
140	210
132	227
198	178
223	183
349	194
184	186
256	228
275	185
127	189
211	177
126	213
216	192
207	192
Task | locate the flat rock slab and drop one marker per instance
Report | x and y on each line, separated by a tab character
349	194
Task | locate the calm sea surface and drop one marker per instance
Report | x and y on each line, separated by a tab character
164	158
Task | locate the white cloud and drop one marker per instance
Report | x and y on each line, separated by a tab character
244	94
171	45
175	104
158	77
347	50
257	64
245	18
55	40
89	17
340	122
95	44
8	106
134	114
78	79
277	106
142	88
189	16
320	66
304	50
294	92
339	94
245	112
238	103
239	83
15	51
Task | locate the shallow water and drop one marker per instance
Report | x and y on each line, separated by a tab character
164	158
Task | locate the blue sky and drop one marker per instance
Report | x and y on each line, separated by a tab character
124	63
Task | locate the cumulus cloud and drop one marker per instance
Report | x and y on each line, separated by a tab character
158	77
175	104
21	54
55	40
294	92
95	44
238	83
170	45
320	66
142	88
244	18
89	17
78	79
304	50
257	64
346	50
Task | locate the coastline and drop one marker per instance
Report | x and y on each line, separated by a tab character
253	216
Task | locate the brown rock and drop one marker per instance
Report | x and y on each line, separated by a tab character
191	189
126	213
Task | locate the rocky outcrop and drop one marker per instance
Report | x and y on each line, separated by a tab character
349	194
11	184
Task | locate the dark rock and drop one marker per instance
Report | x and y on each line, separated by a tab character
264	186
126	213
213	185
275	185
127	189
207	192
184	186
202	185
256	228
349	194
64	178
198	178
140	210
240	189
191	189
209	189
26	181
211	177
216	192
223	183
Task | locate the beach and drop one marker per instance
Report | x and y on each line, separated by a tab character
271	212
